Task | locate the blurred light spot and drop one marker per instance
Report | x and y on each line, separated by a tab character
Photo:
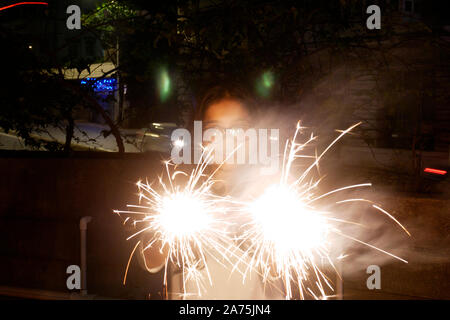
101	85
23	3
265	84
435	171
154	135
164	85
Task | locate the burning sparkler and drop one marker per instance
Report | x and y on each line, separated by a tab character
184	218
288	235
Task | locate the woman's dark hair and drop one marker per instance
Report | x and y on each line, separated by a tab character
221	92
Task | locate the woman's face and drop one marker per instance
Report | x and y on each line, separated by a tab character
226	114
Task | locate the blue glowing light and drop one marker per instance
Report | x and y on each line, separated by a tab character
101	85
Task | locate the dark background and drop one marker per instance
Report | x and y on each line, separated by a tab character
309	60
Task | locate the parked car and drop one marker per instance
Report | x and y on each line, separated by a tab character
157	137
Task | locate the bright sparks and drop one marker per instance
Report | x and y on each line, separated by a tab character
183	217
288	236
175	222
288	224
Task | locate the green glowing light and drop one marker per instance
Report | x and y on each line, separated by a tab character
265	84
268	79
164	85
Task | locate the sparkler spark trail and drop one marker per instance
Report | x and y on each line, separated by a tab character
288	234
183	218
